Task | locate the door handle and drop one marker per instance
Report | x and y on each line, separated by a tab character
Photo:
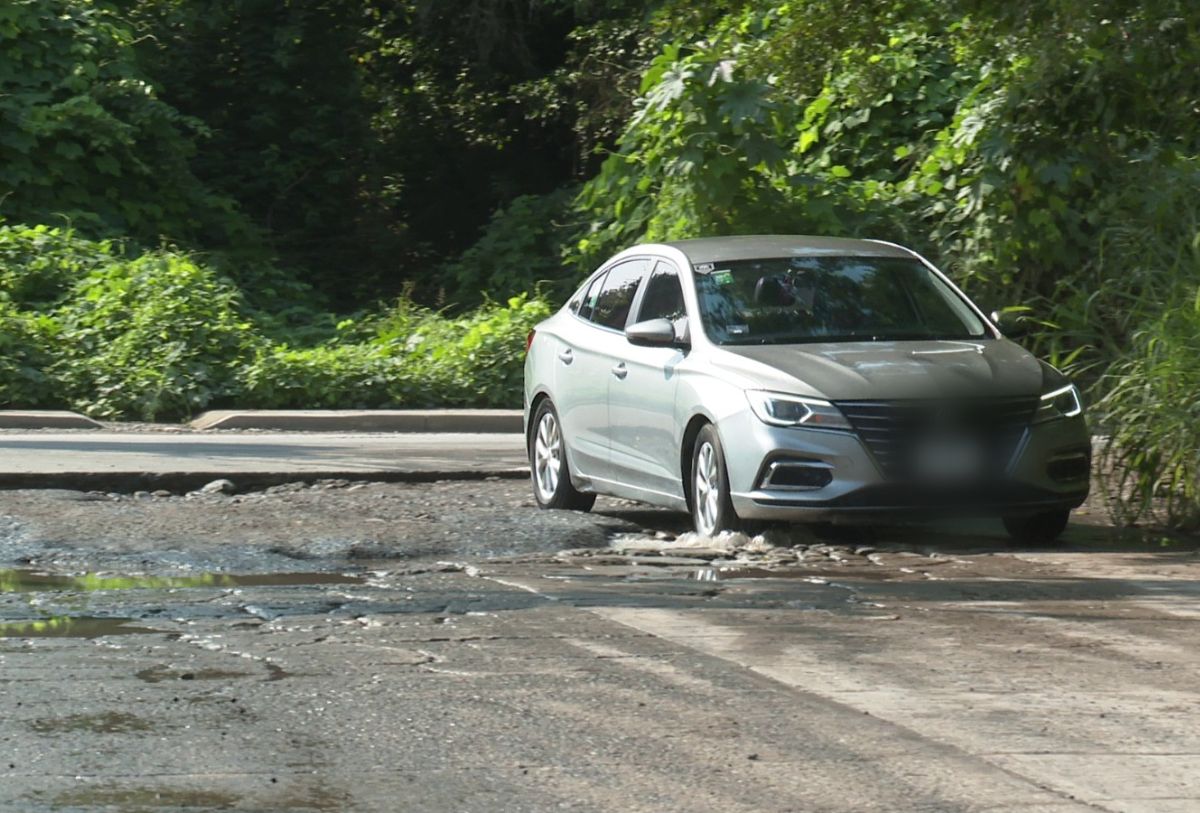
566	356
620	370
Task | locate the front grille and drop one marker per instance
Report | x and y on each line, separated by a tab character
893	430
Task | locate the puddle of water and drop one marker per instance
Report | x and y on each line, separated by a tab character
811	575
158	674
71	627
32	581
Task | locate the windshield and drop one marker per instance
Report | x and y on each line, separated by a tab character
788	300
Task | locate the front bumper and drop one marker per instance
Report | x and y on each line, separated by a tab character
831	475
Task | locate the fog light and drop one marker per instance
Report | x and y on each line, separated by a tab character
803	475
1067	467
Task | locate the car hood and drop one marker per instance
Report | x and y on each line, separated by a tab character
884	370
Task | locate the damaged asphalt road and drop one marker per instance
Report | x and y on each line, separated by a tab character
447	647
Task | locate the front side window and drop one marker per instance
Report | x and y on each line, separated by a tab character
664	296
616	294
790	300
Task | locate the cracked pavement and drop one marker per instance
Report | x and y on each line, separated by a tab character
447	647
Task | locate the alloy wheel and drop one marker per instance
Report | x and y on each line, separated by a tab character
547	457
707	494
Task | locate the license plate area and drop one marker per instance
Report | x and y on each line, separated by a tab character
949	458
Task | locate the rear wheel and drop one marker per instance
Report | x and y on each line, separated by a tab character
712	507
1039	529
552	484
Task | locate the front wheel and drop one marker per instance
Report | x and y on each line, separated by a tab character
712	507
1039	529
552	484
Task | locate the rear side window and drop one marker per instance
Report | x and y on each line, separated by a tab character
664	296
616	294
584	308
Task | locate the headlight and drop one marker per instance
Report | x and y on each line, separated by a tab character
791	410
1063	402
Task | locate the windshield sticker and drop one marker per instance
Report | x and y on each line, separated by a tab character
703	268
738	330
723	277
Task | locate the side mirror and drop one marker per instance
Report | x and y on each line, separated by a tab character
652	333
1013	324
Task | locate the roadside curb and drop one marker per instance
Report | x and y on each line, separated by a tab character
45	419
184	482
491	421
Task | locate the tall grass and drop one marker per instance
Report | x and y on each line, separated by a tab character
1150	462
1135	319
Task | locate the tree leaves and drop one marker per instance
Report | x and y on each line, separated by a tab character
82	127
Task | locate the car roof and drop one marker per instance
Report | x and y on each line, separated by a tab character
763	246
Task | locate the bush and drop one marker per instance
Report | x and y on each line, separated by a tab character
162	336
39	265
157	337
408	357
1150	463
479	360
352	376
520	250
25	353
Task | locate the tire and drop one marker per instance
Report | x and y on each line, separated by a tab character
552	486
1039	529
712	507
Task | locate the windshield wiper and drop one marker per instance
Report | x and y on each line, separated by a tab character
920	337
851	337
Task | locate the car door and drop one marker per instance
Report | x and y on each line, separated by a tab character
641	400
587	350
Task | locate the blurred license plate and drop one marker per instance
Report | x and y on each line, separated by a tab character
949	458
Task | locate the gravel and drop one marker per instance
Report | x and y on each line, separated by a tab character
298	526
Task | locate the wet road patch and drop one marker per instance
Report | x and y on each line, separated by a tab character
142	798
22	580
109	722
160	674
72	627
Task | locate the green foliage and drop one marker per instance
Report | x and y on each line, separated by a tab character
326	377
406	357
697	156
157	336
479	359
520	250
1145	284
1142	265
25	342
85	138
1149	463
39	265
162	336
280	93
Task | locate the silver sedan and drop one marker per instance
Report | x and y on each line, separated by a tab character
760	379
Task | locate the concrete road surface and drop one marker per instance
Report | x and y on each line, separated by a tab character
447	647
111	461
